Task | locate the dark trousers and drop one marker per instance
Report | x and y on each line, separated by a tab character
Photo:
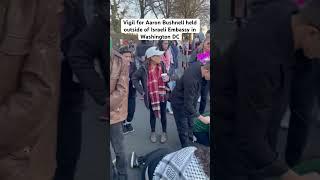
163	106
131	108
204	95
202	138
152	160
116	138
184	126
301	106
69	135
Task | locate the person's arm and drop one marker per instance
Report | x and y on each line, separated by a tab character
136	77
133	69
85	48
256	88
122	87
22	110
189	94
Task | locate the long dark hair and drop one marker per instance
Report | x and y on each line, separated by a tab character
203	155
160	42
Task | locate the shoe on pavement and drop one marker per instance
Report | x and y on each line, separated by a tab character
125	129
170	111
153	137
129	128
163	138
134	161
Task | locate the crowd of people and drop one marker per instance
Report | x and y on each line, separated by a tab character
50	55
153	72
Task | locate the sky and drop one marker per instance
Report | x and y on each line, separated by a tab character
133	13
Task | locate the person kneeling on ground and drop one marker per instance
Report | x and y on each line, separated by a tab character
184	99
163	164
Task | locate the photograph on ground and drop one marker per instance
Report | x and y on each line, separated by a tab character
266	90
159	90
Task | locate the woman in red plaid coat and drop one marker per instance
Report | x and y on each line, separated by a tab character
154	78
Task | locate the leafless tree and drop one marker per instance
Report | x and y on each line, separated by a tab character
117	14
192	9
182	9
162	7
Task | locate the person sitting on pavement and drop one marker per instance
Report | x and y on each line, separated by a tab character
127	56
189	163
201	130
154	78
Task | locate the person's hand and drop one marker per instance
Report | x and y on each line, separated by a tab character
166	78
205	120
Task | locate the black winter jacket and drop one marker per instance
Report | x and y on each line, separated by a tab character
90	44
141	75
187	91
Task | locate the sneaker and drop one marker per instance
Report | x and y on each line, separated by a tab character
163	138
129	128
125	129
134	162
170	111
153	137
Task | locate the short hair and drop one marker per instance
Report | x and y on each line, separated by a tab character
310	13
125	49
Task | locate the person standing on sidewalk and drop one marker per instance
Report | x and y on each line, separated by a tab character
184	100
205	85
154	78
127	56
119	91
175	54
140	52
71	96
29	91
167	59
